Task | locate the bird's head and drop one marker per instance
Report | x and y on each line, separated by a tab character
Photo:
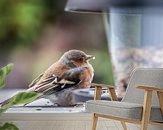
76	57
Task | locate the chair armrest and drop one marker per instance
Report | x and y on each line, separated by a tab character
101	85
160	98
98	89
149	88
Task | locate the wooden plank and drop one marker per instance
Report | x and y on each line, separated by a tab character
126	120
94	123
119	119
113	94
150	88
160	98
101	85
146	109
124	125
156	123
97	94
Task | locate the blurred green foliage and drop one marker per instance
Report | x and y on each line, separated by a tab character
8	126
21	21
19	98
3	74
103	67
25	97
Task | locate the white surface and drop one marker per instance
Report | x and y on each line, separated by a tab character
67	125
52	118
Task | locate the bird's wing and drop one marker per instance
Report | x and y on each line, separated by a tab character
74	74
42	84
80	75
35	80
54	84
70	79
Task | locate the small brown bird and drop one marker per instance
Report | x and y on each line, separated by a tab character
71	71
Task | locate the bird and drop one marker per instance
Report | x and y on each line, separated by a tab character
72	71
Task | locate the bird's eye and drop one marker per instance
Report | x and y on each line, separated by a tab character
81	59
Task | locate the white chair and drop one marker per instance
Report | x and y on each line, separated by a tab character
142	104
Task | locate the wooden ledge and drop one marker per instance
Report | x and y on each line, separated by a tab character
102	85
150	88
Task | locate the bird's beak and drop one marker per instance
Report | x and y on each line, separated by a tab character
90	57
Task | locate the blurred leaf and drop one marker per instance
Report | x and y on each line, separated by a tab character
20	98
3	74
21	22
103	67
9	126
24	97
5	107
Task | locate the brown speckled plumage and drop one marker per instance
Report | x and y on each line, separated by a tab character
72	66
